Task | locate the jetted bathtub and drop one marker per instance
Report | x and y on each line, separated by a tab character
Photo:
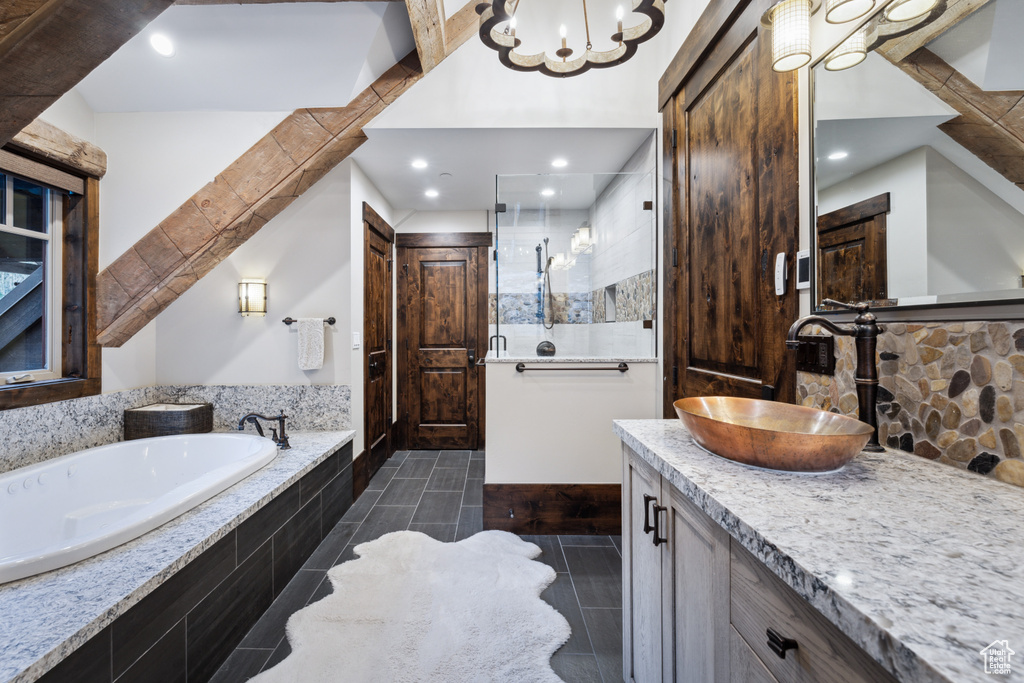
64	510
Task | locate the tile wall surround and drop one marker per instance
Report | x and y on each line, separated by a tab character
38	433
951	392
634	300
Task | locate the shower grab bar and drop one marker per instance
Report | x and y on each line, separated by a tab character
521	367
289	320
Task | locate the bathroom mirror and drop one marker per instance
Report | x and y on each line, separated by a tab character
919	161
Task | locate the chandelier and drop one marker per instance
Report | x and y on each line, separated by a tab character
504	41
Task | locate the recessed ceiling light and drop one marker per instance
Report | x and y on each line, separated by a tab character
431	193
162	44
419	163
836	156
547	192
559	163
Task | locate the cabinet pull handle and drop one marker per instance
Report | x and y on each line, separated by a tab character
778	644
658	540
648	528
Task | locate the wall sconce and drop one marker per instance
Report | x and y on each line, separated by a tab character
905	10
790	22
581	240
850	52
252	297
842	11
559	262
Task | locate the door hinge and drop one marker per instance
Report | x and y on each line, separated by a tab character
499	208
388	345
495	253
675	375
674	141
675	258
389	265
405	268
406	344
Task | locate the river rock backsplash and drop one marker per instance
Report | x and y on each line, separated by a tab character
951	392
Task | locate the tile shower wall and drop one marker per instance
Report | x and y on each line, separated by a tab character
38	433
951	392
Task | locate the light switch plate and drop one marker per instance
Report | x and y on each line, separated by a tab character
780	273
357	340
803	269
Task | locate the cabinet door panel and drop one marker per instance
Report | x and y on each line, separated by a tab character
696	573
641	571
744	664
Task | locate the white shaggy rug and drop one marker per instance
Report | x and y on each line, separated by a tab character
411	608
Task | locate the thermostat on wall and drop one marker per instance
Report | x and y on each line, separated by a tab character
803	269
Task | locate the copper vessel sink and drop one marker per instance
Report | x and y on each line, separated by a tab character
779	436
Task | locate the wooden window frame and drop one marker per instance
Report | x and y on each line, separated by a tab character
81	356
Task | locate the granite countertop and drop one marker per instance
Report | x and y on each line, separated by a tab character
567	359
46	617
921	564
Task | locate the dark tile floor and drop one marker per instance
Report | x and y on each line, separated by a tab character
440	494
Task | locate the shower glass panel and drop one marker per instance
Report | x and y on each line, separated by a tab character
575	265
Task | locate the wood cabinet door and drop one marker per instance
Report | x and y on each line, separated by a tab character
734	208
695	574
442	331
641	573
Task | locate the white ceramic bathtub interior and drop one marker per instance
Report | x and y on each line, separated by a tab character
64	510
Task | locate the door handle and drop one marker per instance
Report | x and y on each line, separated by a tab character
779	644
648	527
658	539
472	357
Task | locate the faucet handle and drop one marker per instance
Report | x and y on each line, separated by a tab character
861	307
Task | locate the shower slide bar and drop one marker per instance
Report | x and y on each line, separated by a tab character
521	367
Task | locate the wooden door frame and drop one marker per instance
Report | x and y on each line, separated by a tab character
434	240
372	221
729	25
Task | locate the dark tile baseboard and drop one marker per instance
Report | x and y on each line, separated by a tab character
553	508
186	628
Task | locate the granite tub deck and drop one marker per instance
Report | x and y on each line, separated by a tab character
48	617
918	563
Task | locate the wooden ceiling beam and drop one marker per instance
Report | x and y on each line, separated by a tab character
428	28
898	49
47	53
264	2
460	27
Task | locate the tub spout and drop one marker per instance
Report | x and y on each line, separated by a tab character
280	437
865	331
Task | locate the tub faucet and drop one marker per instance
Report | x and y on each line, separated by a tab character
278	434
865	331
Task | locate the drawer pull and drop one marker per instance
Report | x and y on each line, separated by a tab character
779	645
648	528
658	540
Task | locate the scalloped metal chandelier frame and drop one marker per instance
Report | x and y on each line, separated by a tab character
497	12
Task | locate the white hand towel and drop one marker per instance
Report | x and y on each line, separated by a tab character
311	343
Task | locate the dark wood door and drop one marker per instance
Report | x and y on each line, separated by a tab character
442	328
377	339
733	207
851	252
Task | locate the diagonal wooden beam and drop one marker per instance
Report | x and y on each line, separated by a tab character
898	49
460	27
428	28
45	54
264	2
219	218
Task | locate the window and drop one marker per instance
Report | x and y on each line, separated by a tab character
48	263
31	228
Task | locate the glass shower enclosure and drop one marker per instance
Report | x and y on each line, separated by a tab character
574	274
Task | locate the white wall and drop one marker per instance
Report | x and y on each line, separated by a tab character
443	221
905	179
556	427
975	239
304	254
362	190
73	115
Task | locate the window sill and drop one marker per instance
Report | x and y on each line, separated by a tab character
46	391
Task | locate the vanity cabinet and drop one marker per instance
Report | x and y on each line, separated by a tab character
697	606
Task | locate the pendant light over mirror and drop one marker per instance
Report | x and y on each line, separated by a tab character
850	52
842	11
790	23
905	10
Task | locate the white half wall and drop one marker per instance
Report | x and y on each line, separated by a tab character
304	254
556	427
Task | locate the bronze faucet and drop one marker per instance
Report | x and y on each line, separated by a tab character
865	330
280	439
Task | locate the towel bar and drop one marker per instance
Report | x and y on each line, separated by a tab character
289	320
521	367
